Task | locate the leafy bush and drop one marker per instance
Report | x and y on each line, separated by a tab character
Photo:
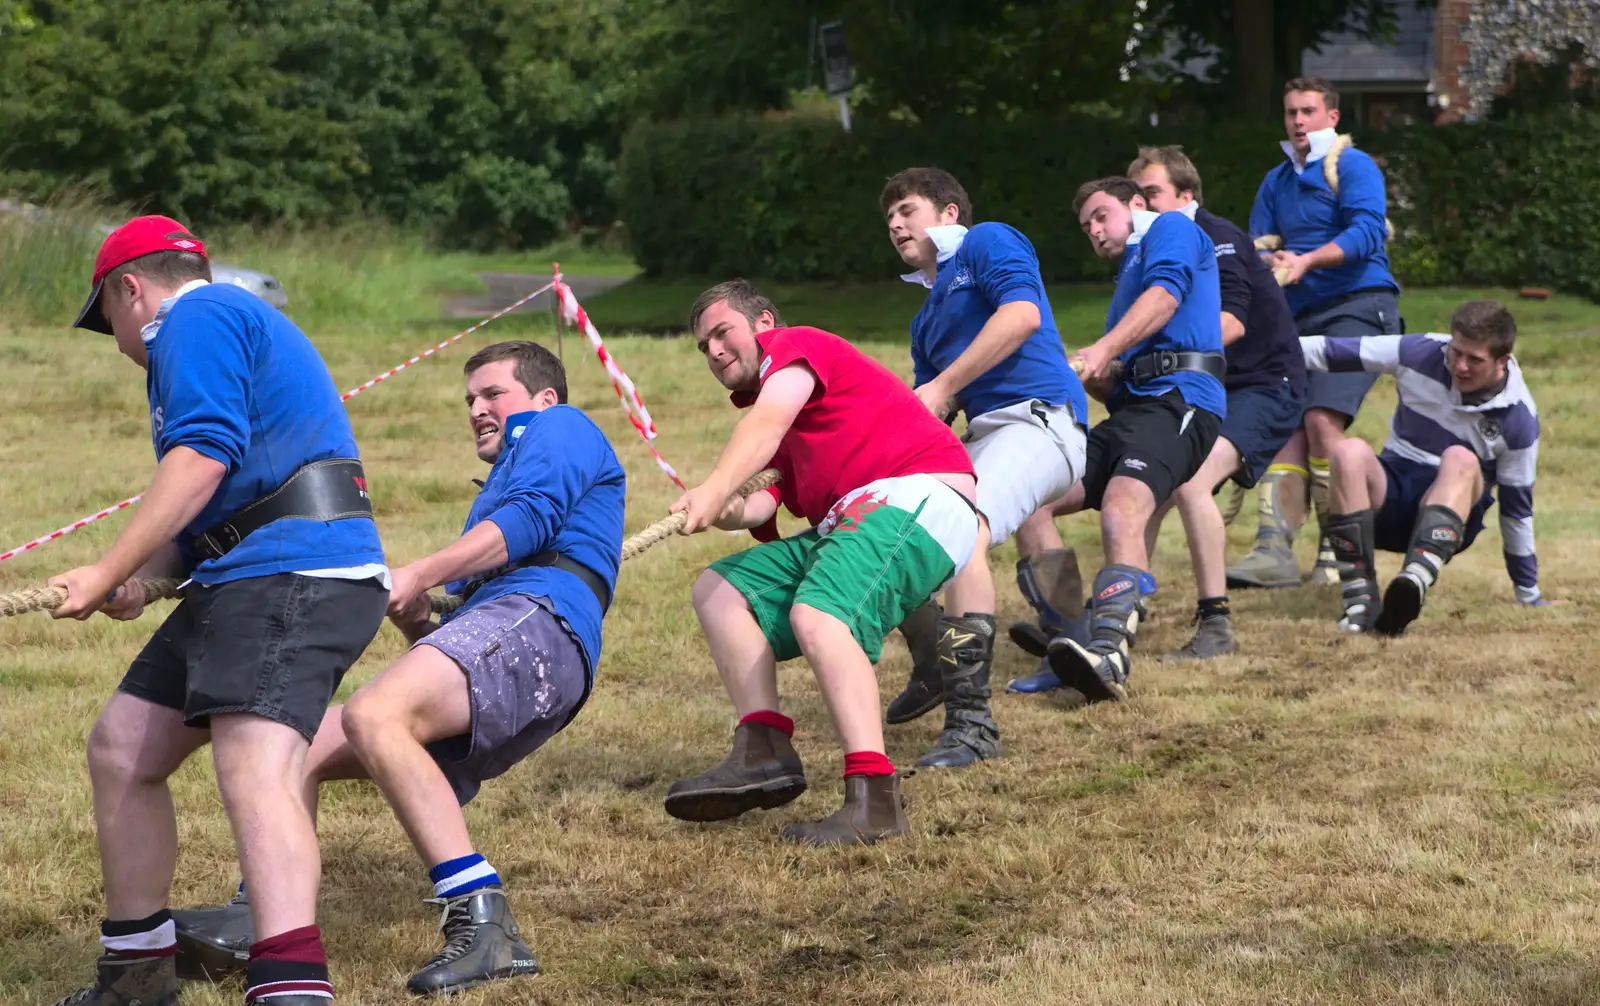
1510	203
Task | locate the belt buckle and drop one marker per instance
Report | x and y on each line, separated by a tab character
217	549
1166	363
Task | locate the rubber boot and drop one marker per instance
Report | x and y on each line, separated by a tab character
1435	539
966	650
481	944
1350	535
214	943
1100	669
925	690
761	772
1271	563
1051	583
129	981
872	811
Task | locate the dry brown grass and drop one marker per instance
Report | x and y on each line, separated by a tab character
1318	820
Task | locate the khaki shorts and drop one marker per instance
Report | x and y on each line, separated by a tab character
1026	455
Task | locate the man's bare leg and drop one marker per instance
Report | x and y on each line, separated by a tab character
872	808
1208	544
1357	487
1282	497
965	653
1325	429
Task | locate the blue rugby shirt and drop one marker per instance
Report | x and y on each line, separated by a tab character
556	485
1170	251
987	267
1299	207
232	378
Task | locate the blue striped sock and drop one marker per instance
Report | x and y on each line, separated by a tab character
460	876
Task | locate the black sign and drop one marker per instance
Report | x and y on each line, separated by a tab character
838	74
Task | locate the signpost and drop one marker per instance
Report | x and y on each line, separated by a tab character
838	73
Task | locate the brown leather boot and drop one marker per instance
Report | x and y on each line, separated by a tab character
872	810
761	772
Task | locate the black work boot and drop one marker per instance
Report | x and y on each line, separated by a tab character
1100	670
214	942
872	810
761	772
129	981
481	944
1051	583
1350	536
924	691
966	649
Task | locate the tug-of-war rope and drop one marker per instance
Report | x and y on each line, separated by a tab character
18	602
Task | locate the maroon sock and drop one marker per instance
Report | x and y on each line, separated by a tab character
771	718
291	963
867	763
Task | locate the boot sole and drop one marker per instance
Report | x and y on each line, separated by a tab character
1075	670
1030	638
200	960
1245	583
473	983
1402	603
723	804
794	837
928	705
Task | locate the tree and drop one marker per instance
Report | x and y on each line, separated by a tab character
1255	45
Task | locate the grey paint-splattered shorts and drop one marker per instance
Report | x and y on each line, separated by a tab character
526	676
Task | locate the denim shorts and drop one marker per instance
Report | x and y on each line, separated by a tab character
271	646
527	677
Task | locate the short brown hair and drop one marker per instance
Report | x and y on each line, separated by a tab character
164	268
1119	188
937	186
1185	176
741	295
537	368
1330	95
1486	321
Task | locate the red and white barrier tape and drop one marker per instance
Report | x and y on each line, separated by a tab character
108	511
632	404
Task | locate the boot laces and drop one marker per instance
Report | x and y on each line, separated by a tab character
459	930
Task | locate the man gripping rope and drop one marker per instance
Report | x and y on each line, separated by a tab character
1465	424
985	343
1164	326
260	498
1265	384
494	680
890	496
1334	260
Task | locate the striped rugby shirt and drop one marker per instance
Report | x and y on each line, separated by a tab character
1503	431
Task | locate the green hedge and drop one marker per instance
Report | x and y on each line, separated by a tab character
795	199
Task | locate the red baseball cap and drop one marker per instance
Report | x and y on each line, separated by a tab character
137	238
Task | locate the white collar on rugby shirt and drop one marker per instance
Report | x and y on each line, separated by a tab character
946	240
1189	209
1142	219
1321	140
150	331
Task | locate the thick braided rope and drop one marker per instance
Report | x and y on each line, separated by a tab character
635	546
1330	172
18	602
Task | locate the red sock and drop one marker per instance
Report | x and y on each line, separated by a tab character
867	763
291	963
771	718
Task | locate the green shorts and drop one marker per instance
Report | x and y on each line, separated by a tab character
869	564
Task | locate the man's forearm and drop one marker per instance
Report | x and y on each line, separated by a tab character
1008	328
754	441
478	551
184	483
1232	329
1328	256
1154	308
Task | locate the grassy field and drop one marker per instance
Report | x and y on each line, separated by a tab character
1317	820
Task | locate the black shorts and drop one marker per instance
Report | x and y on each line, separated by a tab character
1159	440
271	646
1407	482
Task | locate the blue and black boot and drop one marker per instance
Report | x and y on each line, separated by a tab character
1051	584
1350	535
1100	669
